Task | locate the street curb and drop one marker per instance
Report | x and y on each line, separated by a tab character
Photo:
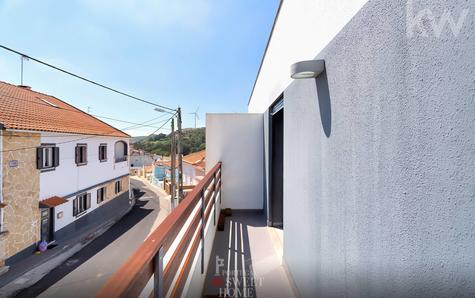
32	276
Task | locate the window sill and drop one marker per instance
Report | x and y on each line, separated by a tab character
81	164
81	214
102	160
44	170
4	233
3	205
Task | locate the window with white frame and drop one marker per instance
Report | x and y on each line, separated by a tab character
81	154
47	157
120	151
81	203
103	152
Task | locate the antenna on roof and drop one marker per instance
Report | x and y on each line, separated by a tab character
22	58
196	114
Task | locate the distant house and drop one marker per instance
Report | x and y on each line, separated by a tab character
194	167
62	171
140	158
193	171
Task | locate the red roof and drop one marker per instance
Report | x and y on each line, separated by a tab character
53	201
197	159
24	109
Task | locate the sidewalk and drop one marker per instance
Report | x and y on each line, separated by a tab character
28	271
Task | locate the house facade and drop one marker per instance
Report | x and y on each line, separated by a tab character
140	158
63	172
194	167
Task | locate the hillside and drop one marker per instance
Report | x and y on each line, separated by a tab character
193	141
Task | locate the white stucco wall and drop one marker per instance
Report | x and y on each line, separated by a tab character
141	160
303	29
68	178
190	174
237	140
67	210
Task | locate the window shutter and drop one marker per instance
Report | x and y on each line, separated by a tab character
105	152
75	207
56	156
88	201
39	158
85	154
77	154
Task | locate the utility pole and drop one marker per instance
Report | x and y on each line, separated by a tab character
180	156
173	167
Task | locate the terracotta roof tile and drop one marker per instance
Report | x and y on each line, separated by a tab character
25	109
197	159
53	201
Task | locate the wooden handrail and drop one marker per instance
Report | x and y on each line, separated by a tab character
134	274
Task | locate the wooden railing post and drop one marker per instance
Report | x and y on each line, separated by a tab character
202	231
220	181
214	198
147	261
158	275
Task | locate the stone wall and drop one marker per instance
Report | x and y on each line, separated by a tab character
110	188
20	193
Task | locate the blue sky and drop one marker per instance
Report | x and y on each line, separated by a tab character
182	52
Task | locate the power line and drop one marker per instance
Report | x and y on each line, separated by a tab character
85	79
88	137
105	135
82	112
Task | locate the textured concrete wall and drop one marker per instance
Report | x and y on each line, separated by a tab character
379	163
21	188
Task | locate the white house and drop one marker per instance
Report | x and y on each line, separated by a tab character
63	171
140	158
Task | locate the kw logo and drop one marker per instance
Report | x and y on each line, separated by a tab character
418	23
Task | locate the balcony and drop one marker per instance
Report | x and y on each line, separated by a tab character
187	256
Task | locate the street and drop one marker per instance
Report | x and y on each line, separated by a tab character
84	273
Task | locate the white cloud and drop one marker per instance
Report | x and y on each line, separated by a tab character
191	14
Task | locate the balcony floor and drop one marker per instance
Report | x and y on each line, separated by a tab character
246	260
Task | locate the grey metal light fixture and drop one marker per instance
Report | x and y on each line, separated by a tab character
307	69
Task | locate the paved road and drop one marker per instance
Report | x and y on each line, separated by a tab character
85	272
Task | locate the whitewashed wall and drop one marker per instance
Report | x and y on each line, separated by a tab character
190	174
303	29
237	140
67	210
141	160
68	178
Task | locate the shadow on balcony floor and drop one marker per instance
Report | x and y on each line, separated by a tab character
245	260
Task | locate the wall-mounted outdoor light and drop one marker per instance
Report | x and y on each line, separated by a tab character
307	69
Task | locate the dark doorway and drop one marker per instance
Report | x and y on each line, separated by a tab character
47	227
277	166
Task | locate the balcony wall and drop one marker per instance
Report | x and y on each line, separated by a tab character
237	140
380	161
